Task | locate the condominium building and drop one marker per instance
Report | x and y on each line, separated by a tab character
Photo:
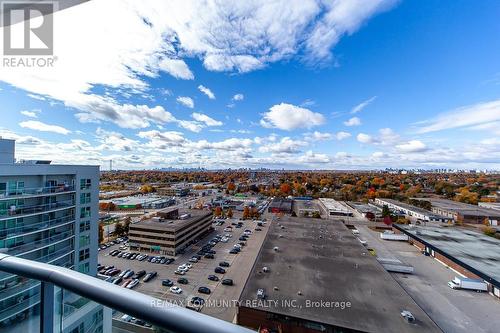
169	232
49	214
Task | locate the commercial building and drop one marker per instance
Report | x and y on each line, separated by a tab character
412	211
366	210
490	205
463	212
169	231
334	208
140	202
280	205
315	276
468	252
173	191
49	214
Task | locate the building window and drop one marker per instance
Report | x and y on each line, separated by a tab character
84	240
84	212
84	198
85	184
84	254
84	268
84	226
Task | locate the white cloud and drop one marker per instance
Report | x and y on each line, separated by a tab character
203	118
364	138
238	97
289	117
113	141
39	126
318	136
177	68
354	121
362	105
206	91
342	135
149	38
32	114
413	146
468	116
192	126
285	146
186	101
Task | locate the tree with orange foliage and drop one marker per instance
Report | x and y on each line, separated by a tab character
218	211
285	189
246	212
229	213
231	186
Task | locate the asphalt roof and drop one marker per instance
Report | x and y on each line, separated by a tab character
477	250
462	208
172	224
325	262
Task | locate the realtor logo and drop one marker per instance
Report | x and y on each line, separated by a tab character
28	28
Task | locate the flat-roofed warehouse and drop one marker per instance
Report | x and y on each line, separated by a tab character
280	205
333	207
169	232
469	252
413	211
462	211
318	261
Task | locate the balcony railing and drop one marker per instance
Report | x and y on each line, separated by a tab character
37	244
32	227
34	191
20	211
171	318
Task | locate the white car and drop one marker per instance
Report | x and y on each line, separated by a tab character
228	229
188	265
175	290
224	240
180	272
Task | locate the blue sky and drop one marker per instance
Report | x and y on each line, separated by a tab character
278	84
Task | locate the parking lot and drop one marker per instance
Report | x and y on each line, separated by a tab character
197	276
452	310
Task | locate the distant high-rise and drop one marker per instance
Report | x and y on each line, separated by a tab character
48	213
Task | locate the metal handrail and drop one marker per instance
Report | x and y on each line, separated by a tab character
171	317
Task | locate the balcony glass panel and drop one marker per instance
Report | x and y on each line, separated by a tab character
20	191
19	211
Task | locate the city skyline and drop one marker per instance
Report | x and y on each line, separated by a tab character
293	85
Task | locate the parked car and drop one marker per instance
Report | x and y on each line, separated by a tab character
117	280
209	256
126	318
179	272
224	264
258	229
204	290
167	283
182	281
227	282
139	274
233	251
133	283
122	274
150	276
213	278
220	270
175	290
261	294
129	274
